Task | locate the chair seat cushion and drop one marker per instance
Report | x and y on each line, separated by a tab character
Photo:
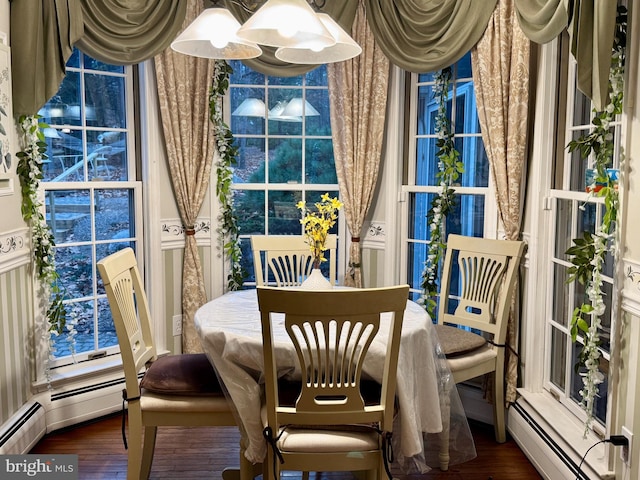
189	374
455	341
325	440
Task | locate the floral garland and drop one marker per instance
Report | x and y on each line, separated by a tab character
317	224
588	253
29	171
228	230
449	170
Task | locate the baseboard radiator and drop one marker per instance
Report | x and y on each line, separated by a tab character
23	430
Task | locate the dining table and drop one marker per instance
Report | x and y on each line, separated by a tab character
230	331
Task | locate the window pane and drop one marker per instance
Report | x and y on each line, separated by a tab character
115	215
428	109
558	358
600	403
285	161
320	124
69	215
561	294
564	221
243	74
250	206
105	101
284	217
251	156
476	163
426	162
75	267
84	314
419	205
316	77
320	166
107	336
93	64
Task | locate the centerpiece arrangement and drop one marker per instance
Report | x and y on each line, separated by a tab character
317	222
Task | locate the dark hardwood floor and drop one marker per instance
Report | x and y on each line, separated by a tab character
199	453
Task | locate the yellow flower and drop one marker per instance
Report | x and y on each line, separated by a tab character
317	224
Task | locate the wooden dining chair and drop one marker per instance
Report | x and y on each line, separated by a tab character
288	259
329	427
473	313
175	390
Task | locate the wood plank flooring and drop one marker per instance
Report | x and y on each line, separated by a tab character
203	452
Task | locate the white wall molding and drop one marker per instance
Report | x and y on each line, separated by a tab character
375	238
631	287
172	233
14	249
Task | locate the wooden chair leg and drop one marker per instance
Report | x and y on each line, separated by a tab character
134	447
148	448
498	407
445	407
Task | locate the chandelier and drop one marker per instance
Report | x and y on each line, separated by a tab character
299	33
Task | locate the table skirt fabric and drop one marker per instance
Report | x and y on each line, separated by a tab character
230	331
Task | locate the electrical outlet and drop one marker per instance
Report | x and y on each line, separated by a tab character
177	325
625	451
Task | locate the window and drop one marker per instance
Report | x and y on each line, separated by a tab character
283	131
420	185
573	212
92	197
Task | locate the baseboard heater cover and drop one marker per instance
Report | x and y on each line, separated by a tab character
23	430
544	436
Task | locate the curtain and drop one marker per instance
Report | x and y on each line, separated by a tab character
358	97
542	20
500	65
183	83
124	33
342	11
421	36
592	31
43	33
112	31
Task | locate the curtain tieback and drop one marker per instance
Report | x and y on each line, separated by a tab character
190	230
355	239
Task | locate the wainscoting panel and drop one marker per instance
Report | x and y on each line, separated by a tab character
16	314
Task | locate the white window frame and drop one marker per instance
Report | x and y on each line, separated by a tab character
95	357
303	186
408	187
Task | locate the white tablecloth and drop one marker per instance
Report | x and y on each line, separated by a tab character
229	327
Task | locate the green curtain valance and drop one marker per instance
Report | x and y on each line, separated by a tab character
44	32
42	35
427	35
542	20
127	32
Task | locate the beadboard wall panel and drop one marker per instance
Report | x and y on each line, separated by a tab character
16	312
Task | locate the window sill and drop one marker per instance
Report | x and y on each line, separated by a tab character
566	430
84	372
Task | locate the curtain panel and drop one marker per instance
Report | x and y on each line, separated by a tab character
500	66
358	96
183	82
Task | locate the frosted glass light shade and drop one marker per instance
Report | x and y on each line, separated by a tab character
344	48
276	114
213	35
294	108
286	23
251	107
